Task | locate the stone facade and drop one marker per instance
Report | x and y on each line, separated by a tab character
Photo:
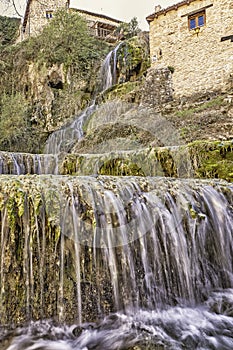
201	57
161	80
38	14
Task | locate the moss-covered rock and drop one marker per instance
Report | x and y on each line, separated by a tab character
212	159
200	159
133	58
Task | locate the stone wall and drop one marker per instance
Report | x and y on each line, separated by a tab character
157	88
37	19
37	15
201	61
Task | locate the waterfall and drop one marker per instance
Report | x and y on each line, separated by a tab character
108	70
158	241
89	246
24	163
114	262
62	140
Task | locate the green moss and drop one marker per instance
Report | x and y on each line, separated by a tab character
166	160
70	164
120	167
215	102
212	159
193	213
121	91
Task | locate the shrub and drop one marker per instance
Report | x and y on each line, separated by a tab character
15	126
9	30
67	40
128	30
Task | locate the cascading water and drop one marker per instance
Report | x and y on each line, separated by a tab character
90	246
150	257
63	139
23	163
108	70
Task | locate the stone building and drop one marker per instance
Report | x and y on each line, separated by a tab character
194	39
100	25
38	13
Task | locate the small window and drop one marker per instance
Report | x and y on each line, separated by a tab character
192	23
49	14
197	20
201	21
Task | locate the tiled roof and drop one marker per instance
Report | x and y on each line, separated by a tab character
154	15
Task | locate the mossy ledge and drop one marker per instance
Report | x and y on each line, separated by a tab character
199	159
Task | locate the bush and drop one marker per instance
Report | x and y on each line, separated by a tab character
128	30
66	40
16	132
9	30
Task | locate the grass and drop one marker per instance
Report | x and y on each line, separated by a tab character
216	102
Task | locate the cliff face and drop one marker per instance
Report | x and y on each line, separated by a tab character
52	78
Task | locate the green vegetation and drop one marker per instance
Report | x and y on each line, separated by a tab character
16	128
66	40
45	80
215	102
128	30
9	31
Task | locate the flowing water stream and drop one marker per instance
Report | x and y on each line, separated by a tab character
24	163
62	140
104	262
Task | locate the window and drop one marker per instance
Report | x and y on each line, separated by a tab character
49	14
196	20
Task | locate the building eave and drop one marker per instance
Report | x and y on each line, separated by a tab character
27	10
154	15
117	21
26	14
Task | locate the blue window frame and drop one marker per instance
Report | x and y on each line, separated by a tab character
201	21
192	23
197	20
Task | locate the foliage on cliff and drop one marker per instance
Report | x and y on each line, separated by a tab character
53	74
66	40
9	30
128	30
18	132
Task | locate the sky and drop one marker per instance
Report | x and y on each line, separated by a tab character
123	10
